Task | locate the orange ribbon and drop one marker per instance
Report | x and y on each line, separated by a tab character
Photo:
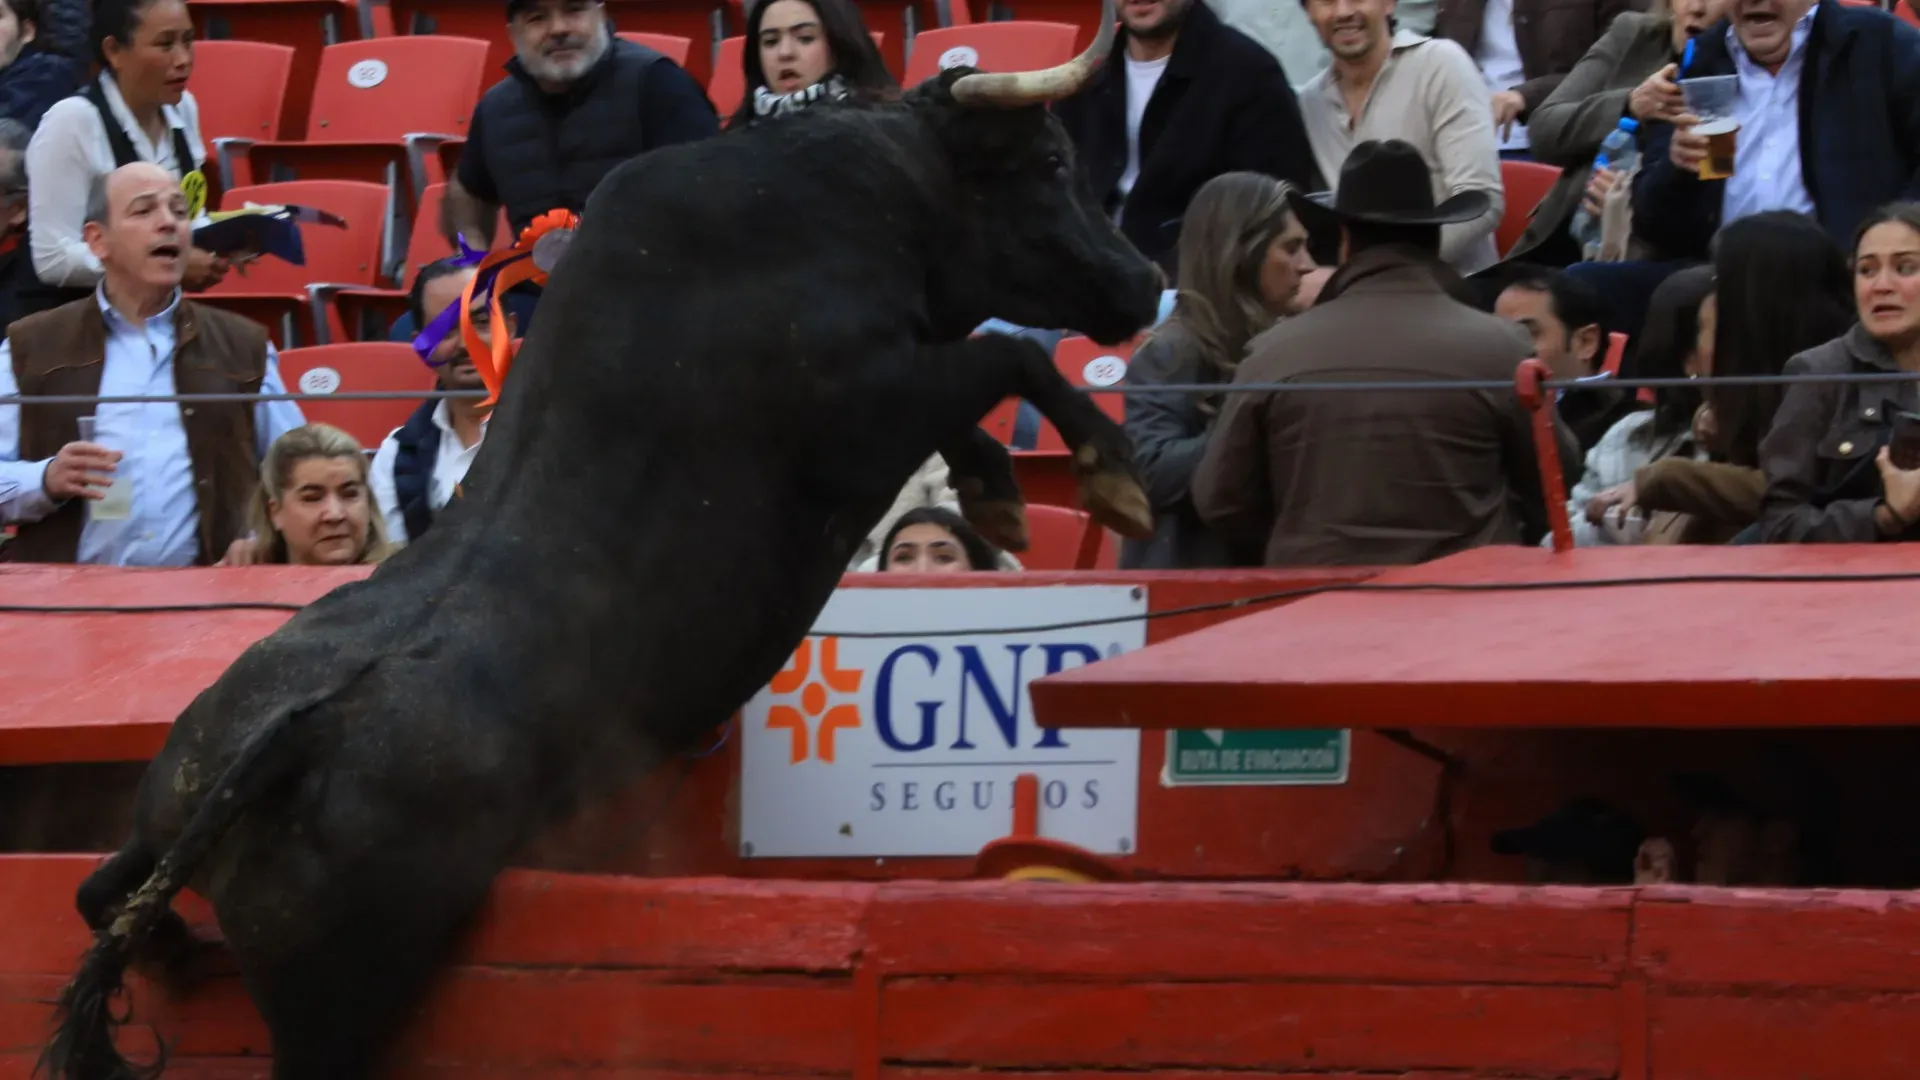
497	273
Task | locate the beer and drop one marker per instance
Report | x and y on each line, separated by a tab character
1721	135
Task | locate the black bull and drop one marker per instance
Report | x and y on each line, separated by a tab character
748	349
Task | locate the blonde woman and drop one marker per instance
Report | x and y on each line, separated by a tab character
1243	256
314	506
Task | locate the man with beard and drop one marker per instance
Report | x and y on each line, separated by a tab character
420	464
1183	99
576	102
1396	84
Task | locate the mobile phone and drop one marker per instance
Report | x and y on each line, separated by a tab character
1904	446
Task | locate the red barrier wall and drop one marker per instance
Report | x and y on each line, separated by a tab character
607	977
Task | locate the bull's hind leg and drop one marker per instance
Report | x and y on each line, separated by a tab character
972	376
340	964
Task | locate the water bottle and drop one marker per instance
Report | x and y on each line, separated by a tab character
1620	153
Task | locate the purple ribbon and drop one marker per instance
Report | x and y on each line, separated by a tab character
443	324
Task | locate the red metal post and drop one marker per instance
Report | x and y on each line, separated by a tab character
1026	806
1527	382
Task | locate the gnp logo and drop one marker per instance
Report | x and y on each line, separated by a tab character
815	697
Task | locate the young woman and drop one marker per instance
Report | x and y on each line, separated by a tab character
1831	472
1242	256
1781	286
137	110
935	540
801	52
1668	346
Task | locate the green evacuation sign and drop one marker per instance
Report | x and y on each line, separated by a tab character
1216	756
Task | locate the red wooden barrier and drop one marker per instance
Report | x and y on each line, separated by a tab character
604	977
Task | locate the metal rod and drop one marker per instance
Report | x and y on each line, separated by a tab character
1165	388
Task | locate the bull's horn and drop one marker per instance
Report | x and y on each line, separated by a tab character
1012	89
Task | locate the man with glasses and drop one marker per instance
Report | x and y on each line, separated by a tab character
576	102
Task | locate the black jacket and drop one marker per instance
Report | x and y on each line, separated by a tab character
1859	132
1223	104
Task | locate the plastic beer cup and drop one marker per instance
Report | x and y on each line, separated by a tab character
1713	99
117	503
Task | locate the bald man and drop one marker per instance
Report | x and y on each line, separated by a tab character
156	484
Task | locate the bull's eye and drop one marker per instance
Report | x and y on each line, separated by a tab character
1057	163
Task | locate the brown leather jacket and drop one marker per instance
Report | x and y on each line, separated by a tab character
1552	35
1822	481
1386	477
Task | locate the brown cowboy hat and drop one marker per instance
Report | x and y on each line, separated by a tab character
1386	182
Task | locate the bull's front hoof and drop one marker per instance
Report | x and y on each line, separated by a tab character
1116	501
1002	522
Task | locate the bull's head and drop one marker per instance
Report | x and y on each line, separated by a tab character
1024	239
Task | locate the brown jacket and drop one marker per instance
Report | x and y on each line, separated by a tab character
1566	129
63	351
1822	480
1553	36
1375	477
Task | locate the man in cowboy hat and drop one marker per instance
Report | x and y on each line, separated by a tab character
1388	476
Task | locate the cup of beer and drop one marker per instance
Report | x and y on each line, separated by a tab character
1712	98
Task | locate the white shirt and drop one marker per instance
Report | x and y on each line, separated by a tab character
68	150
163	529
1499	58
1142	77
1766	154
449	468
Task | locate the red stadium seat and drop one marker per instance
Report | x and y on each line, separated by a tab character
1526	183
1087	363
365	312
276	293
1082	15
241	88
729	83
1616	351
307	26
1908	10
1061	538
671	46
992	46
356	367
701	22
379	109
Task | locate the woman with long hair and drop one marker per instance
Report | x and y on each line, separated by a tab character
802	52
1836	470
1781	287
1667	347
1242	256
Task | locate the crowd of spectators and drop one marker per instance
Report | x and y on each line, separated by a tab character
1335	229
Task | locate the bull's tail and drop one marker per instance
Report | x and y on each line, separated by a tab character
82	1046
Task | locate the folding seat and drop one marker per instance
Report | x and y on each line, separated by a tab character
671	46
286	298
366	312
306	26
241	88
1062	538
993	46
1525	183
379	109
360	367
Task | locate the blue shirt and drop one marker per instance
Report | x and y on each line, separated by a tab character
1766	161
163	529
